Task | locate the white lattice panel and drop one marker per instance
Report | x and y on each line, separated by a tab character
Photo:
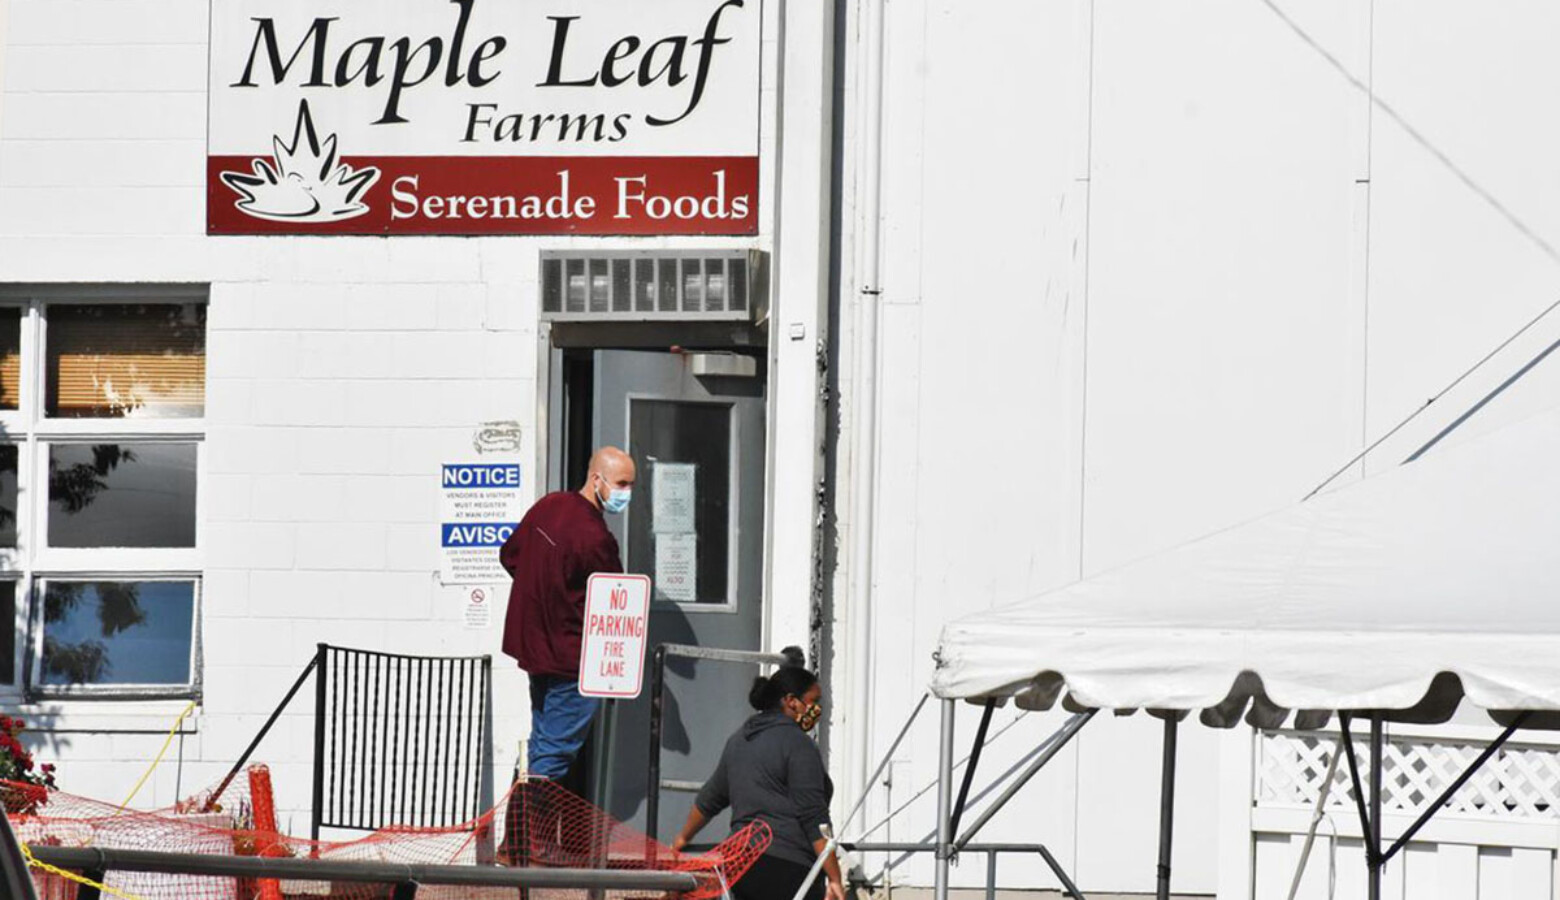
1518	782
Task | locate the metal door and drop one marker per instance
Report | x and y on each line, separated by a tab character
696	527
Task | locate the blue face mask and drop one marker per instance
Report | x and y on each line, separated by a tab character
616	500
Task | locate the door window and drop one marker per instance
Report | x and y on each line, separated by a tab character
679	526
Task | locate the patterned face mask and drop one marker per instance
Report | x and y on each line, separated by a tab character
810	716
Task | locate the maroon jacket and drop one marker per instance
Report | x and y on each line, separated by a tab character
559	543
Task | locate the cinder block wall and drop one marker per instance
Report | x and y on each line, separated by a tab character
341	373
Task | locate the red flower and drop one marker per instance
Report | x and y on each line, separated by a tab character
26	791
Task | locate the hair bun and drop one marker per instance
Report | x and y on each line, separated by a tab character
759	695
794	657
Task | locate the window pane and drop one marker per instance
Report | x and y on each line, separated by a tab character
10	357
600	285
122	495
644	284
622	299
8	496
7	632
667	284
120	360
117	632
693	286
575	269
684	551
714	284
552	285
737	289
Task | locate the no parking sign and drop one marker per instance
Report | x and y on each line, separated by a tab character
612	646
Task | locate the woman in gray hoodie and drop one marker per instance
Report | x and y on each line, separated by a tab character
772	771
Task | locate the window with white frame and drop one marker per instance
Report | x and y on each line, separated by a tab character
102	406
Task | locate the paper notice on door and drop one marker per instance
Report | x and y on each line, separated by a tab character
677	567
672	496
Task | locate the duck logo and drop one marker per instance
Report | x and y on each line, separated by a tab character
303	181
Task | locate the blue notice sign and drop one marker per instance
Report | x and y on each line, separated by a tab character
479	505
476	534
478	476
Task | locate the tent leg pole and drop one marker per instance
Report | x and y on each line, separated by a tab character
969	770
1373	839
1166	807
1346	744
944	801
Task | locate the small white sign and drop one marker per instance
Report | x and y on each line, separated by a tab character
478	613
677	567
617	623
672	497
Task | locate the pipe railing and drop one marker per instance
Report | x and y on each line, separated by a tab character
991	851
95	862
653	782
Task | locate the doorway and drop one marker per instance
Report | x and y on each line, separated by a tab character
695	527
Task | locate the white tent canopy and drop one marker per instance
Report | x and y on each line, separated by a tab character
1405	591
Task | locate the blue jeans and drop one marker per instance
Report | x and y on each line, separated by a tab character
560	719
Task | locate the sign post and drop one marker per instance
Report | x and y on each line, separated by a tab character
612	646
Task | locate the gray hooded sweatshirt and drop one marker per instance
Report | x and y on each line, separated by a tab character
771	770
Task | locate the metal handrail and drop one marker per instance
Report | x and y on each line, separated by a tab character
913	847
657	708
101	860
690	651
216	795
991	851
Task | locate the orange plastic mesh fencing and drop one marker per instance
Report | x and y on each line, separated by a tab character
546	825
536	824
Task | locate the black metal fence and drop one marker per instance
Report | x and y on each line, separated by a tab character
398	740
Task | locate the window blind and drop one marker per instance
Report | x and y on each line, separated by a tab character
10	357
123	360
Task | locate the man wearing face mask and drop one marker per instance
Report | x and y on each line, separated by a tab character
562	540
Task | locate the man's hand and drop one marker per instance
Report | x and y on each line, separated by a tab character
834	891
678	843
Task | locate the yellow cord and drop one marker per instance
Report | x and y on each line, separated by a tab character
151	768
35	863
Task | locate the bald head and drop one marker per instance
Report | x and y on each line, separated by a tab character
610	470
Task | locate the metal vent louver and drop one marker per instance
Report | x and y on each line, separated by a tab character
649	285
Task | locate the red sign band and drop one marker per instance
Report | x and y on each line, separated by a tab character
482	195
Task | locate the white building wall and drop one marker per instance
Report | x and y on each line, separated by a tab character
1152	270
341	372
1148	271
